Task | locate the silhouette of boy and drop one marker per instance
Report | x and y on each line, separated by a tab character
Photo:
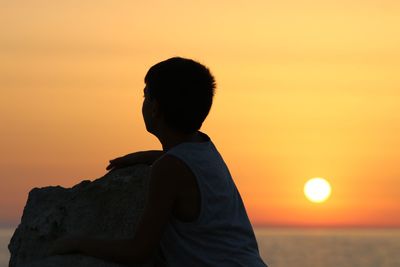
194	215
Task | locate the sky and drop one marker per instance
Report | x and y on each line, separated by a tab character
304	89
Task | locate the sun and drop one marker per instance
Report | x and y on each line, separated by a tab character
317	190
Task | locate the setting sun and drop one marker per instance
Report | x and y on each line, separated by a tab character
317	190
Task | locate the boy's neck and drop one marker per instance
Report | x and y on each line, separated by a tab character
170	139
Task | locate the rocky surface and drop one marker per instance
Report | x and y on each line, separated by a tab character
108	207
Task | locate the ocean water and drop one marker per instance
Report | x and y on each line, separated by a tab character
329	247
308	247
5	236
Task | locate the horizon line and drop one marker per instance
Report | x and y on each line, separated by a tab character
14	225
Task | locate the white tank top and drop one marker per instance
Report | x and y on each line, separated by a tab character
222	234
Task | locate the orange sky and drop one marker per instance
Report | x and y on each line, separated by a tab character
305	89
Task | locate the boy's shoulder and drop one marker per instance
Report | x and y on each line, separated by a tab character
171	168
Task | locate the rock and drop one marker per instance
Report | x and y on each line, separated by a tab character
108	207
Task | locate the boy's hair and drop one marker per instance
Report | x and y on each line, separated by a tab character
184	90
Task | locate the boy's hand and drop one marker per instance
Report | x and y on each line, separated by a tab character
123	161
141	157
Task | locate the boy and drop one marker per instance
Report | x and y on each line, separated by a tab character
194	213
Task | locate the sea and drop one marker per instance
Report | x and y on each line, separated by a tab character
289	247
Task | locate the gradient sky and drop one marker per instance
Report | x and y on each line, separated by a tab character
305	89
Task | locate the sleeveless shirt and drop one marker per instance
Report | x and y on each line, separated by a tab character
222	234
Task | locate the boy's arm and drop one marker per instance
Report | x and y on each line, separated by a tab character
162	194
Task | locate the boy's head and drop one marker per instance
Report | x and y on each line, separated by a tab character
183	90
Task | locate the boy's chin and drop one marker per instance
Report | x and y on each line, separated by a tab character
150	130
